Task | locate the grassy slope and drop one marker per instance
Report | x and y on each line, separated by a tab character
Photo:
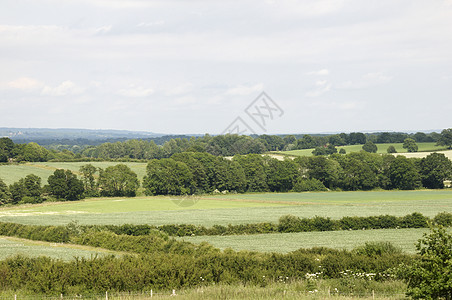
10	246
287	242
12	173
232	209
423	147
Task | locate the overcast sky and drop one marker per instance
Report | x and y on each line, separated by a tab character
194	66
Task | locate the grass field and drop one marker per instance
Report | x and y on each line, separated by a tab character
287	242
14	246
12	173
231	209
423	147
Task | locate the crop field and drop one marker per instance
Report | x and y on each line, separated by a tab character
14	246
287	242
230	209
12	173
423	147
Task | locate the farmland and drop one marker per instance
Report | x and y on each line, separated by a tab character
423	147
12	173
230	209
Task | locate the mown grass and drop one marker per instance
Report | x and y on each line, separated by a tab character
10	246
12	173
231	209
287	242
382	148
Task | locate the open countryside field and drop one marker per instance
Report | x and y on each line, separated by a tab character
10	246
423	147
230	209
12	173
287	242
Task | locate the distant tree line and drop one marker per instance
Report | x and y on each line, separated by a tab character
220	145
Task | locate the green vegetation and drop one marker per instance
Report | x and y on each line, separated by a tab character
287	242
11	247
381	148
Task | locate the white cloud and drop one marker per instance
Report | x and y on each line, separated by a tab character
322	72
25	83
322	87
136	91
243	90
367	80
103	29
64	89
179	89
151	24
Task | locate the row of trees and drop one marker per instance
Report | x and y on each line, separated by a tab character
189	173
221	145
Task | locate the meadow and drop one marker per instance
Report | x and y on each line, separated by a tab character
10	246
11	173
210	210
423	147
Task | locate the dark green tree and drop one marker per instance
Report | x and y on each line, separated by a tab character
6	149
253	166
410	145
403	174
118	181
435	169
168	177
391	149
446	138
430	277
89	181
4	193
281	175
65	185
29	187
328	171
370	147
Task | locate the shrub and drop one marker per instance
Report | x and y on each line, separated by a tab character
443	219
308	185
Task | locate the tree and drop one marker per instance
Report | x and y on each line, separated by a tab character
370	147
446	138
6	149
410	145
391	149
328	171
435	169
63	184
118	181
403	174
89	181
430	277
342	151
29	187
253	166
281	175
168	177
4	193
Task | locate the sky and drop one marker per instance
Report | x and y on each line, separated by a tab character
198	66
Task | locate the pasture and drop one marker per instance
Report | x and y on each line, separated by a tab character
287	242
210	210
12	173
423	147
10	246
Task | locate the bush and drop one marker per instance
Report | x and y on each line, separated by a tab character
377	248
443	219
308	185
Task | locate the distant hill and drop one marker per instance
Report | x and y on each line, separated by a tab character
37	134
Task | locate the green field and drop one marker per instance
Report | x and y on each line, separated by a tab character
423	147
231	209
12	173
14	246
287	242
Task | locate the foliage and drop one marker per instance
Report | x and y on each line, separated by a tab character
117	181
370	147
391	149
431	276
434	170
403	174
29	187
4	193
445	138
410	145
64	184
168	177
88	173
443	219
308	185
